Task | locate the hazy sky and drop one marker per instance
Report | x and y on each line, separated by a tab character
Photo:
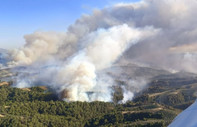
20	17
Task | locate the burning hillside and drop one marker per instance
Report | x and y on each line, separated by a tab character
74	63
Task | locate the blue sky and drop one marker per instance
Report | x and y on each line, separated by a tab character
20	17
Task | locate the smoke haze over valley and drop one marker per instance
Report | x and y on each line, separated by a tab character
84	62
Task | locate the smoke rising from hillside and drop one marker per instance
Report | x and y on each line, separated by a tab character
153	32
78	76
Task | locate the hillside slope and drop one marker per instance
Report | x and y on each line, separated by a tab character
39	107
165	97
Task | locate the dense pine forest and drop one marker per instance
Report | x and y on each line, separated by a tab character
38	107
156	106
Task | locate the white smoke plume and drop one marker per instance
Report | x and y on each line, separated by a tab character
153	32
39	47
78	76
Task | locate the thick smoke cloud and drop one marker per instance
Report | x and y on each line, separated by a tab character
158	33
77	77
